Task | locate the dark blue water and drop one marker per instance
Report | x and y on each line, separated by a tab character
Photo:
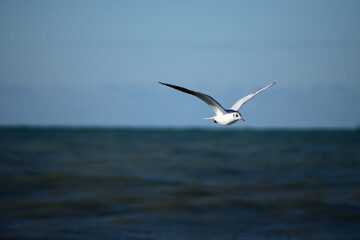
179	184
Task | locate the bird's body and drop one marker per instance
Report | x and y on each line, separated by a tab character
223	117
228	118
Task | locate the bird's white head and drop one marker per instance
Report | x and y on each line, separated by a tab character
237	116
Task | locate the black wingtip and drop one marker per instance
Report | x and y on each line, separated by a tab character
185	90
167	84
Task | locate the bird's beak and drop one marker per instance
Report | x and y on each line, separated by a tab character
242	118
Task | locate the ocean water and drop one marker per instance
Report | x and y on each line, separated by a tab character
64	183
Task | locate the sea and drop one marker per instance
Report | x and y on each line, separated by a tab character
179	183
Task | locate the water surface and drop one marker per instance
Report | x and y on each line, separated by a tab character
63	183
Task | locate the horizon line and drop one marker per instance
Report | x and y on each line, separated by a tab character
144	127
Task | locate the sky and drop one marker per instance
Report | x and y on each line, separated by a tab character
98	63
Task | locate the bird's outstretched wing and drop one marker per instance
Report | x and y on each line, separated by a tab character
218	109
243	100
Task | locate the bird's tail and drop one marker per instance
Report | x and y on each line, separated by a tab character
212	118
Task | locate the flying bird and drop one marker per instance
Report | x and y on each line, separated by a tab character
223	117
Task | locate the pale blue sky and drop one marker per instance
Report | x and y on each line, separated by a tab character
99	62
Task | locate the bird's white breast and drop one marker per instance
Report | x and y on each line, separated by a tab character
225	119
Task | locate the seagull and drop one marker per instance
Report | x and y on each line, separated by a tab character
223	117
